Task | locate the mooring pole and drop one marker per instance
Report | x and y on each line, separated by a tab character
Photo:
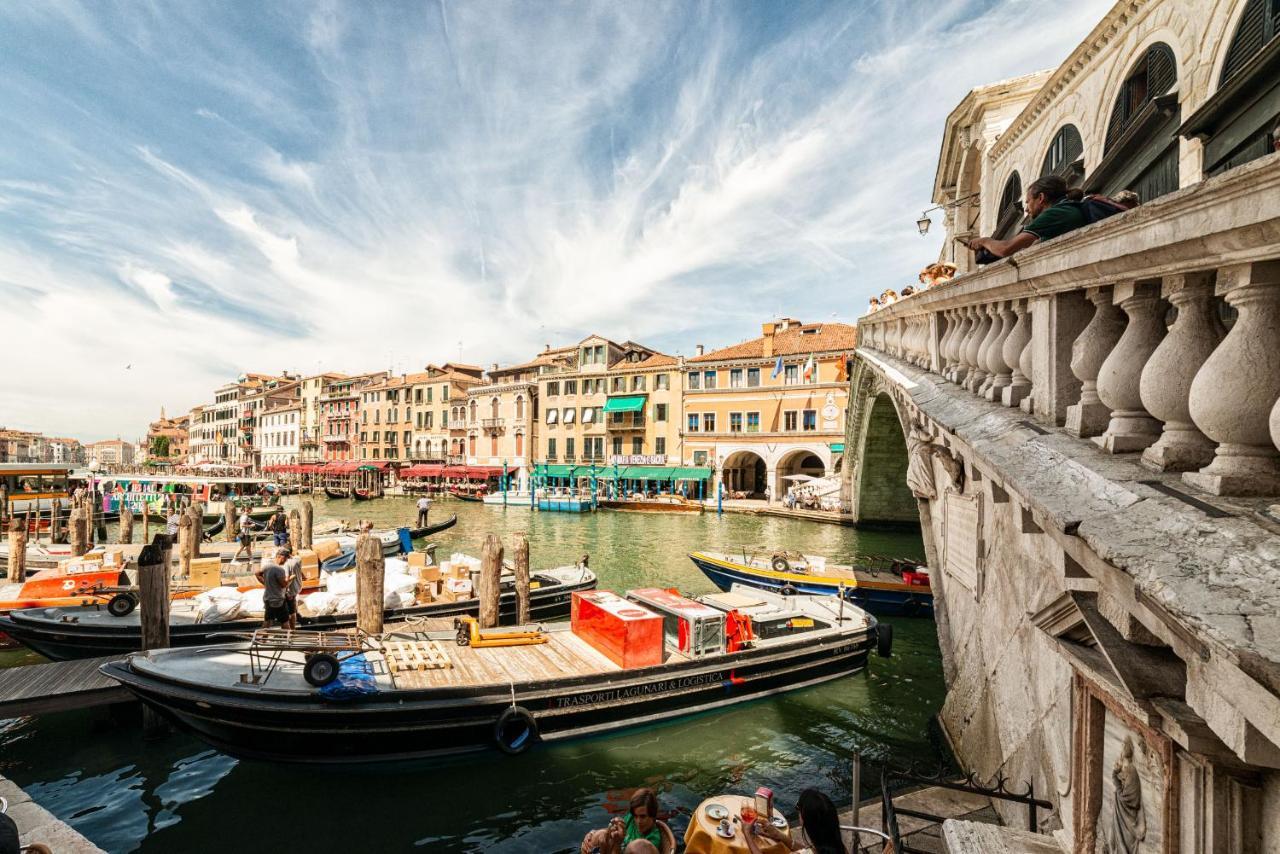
522	578
308	523
153	613
490	580
17	550
369	584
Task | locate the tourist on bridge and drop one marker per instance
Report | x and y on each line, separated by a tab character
1053	211
641	824
424	506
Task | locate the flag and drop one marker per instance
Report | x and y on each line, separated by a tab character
810	368
777	368
842	369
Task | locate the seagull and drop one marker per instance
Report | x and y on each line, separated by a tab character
128	366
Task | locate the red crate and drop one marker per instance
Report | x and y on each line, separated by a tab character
627	634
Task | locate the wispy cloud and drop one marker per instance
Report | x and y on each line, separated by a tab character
347	186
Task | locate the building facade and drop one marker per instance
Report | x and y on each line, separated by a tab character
310	390
279	432
111	453
431	395
168	439
499	424
769	408
339	414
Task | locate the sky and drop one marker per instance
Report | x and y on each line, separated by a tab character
189	191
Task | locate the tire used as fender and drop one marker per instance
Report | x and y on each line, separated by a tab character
780	564
789	590
884	639
515	730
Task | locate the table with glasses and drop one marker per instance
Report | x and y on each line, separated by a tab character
703	838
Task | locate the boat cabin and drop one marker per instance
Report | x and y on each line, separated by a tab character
156	490
32	488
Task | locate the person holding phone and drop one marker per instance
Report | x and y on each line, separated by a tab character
1053	213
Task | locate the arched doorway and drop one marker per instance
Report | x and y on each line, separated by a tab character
794	468
883	495
745	472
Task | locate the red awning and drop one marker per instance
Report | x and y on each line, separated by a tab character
455	471
483	472
337	467
422	470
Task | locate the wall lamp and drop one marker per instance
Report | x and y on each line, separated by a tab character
924	222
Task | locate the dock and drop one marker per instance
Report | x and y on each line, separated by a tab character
918	833
37	825
59	686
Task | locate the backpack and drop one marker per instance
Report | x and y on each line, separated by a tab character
1096	207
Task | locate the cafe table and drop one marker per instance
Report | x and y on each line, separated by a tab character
702	838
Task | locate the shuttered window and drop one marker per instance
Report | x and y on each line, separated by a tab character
1066	149
1010	208
1155	74
1258	25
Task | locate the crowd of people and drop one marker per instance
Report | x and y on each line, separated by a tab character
642	832
1052	210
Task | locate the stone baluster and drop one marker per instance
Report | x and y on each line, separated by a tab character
945	363
1089	417
1026	364
977	367
1015	347
1131	427
1233	394
984	352
922	340
1000	367
1167	378
959	370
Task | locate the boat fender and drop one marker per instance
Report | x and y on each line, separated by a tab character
121	604
789	590
515	730
884	640
780	564
911	607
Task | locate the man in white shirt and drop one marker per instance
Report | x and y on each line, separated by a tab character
246	536
424	505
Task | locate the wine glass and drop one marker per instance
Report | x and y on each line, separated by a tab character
748	813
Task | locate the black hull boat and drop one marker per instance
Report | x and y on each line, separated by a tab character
419	533
63	634
509	698
336	493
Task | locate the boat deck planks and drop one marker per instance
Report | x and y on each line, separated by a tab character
564	654
58	687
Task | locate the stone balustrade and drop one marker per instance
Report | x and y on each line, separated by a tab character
1156	331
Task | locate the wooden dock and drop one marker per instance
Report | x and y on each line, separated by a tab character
59	686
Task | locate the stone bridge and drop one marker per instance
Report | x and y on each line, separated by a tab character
1086	435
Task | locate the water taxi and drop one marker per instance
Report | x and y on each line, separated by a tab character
35	489
650	657
154	490
891	587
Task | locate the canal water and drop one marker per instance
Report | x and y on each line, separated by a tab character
95	771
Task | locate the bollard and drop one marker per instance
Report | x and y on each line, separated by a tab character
229	517
126	523
369	584
490	580
17	550
308	523
57	533
153	613
522	578
185	535
79	531
295	529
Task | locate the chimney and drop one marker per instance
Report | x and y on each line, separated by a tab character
698	350
495	367
768	329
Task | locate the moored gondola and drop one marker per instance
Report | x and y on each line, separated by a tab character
427	531
569	681
336	493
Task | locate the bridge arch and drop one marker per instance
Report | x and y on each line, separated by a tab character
877	475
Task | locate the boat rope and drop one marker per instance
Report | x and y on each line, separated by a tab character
512	683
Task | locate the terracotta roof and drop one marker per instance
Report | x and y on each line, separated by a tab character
799	340
654	360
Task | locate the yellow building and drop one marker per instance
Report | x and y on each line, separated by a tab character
771	407
499	419
432	396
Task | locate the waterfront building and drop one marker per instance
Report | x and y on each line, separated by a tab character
499	417
339	412
770	407
431	394
168	440
64	451
278	437
111	453
385	433
310	389
1092	439
22	446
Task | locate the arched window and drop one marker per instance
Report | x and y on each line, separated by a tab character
1141	146
473	410
1065	156
519	444
1010	208
519	408
493	405
1235	124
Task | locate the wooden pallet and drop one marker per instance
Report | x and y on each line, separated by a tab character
415	655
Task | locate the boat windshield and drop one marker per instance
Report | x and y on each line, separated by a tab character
25	487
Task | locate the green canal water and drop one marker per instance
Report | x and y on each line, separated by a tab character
94	770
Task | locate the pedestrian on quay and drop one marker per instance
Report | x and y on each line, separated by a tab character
279	529
245	536
424	507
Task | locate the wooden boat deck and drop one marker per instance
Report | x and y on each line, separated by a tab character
563	655
58	687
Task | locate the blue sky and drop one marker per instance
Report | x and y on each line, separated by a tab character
191	190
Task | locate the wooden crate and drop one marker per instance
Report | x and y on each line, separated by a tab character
415	655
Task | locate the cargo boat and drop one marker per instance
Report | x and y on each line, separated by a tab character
886	586
90	631
510	698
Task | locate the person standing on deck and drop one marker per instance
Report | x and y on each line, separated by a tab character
275	583
246	536
279	529
424	506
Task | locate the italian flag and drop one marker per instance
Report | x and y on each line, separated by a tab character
810	368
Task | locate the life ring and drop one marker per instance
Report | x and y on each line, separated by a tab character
789	590
515	730
780	564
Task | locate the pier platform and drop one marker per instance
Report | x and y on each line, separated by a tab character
58	686
918	833
37	825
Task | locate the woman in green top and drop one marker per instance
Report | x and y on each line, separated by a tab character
641	823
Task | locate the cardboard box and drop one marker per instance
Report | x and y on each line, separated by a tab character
206	572
424	592
80	564
113	558
460	587
417	560
443	595
429	573
310	567
326	549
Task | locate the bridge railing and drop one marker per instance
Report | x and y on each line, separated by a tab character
1156	331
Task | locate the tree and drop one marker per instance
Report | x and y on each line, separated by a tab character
160	446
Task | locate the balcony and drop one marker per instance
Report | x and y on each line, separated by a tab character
622	425
337	437
493	426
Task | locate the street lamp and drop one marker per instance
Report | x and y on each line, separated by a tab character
923	223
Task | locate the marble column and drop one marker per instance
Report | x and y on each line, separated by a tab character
1233	394
977	367
1131	427
1166	380
1015	351
1000	367
1089	416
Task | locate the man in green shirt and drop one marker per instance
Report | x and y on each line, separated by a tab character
1052	212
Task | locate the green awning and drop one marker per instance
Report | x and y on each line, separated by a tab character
690	474
837	447
645	472
627	403
555	471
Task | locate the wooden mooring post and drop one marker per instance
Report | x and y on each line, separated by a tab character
196	512
490	580
521	557
308	523
17	550
369	584
126	523
79	530
146	522
57	528
229	517
295	529
185	534
153	612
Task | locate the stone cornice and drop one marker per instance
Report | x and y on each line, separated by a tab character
1113	23
1196	228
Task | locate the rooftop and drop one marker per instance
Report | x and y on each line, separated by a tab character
793	339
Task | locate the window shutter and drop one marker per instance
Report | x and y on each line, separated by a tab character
1250	36
1162	70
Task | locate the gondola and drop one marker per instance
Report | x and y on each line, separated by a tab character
467	496
86	632
419	533
362	494
562	686
336	493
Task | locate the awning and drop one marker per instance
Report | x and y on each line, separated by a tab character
645	472
378	465
556	471
626	403
837	447
340	468
423	470
690	474
483	472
